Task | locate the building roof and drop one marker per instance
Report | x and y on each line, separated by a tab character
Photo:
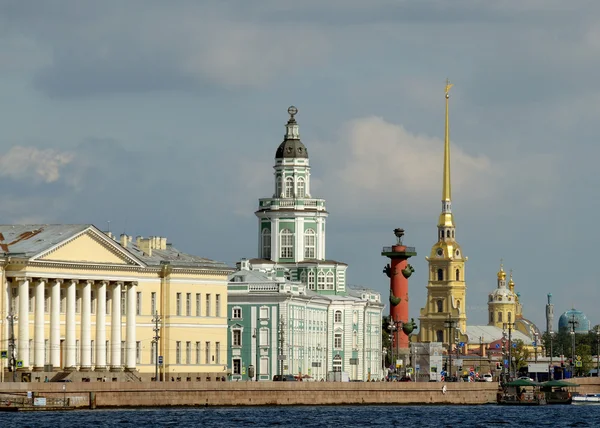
490	333
28	240
175	258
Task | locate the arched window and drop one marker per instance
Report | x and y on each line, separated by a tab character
441	234
300	189
321	281
499	316
289	187
303	277
491	317
447	234
266	244
310	240
337	316
278	187
354	339
452	234
287	244
458	305
311	280
440	274
458	274
439	335
329	280
440	305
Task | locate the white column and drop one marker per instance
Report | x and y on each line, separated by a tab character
101	326
130	345
38	332
55	324
70	330
86	326
115	327
23	338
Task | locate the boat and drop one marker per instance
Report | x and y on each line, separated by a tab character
559	391
521	392
586	399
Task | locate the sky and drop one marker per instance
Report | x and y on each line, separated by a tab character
150	118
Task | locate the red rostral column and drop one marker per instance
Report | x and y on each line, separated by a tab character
399	270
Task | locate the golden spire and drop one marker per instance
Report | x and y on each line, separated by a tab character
447	190
501	273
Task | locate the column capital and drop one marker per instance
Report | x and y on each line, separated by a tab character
58	280
90	281
45	280
22	278
133	283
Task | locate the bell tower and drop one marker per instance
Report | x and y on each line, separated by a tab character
446	288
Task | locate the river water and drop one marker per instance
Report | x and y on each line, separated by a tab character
320	416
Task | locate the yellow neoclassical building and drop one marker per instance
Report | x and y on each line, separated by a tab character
77	302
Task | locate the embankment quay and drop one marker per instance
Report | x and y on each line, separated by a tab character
151	394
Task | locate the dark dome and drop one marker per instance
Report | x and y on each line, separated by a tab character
583	324
291	149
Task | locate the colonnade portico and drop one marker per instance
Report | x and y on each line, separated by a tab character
36	356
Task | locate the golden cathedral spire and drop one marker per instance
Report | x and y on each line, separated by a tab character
501	273
447	189
511	283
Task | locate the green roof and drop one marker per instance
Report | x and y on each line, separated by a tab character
559	384
523	382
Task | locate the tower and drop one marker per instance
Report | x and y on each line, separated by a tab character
502	303
291	223
398	270
549	315
446	288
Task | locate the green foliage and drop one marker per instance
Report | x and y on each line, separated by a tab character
520	355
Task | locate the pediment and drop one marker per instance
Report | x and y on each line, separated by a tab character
90	246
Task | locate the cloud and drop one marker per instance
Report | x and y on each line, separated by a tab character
376	167
34	165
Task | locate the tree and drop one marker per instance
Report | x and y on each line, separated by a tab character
520	355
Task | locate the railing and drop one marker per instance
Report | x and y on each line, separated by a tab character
263	287
406	250
295	203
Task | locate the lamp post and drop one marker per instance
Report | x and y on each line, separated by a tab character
535	346
156	320
504	356
383	355
551	334
598	351
450	324
395	327
573	323
509	326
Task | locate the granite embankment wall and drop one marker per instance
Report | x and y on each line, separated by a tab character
129	394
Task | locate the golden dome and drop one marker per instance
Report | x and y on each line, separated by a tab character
511	283
446	250
501	273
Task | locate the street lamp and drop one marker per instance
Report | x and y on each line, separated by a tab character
504	356
509	326
598	351
395	326
551	334
450	324
573	323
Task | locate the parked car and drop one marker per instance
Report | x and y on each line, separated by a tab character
526	378
487	377
284	378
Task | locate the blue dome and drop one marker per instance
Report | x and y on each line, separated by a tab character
583	324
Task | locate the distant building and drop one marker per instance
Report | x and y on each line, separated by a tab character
290	310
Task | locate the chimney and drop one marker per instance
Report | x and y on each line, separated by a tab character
145	245
124	240
163	243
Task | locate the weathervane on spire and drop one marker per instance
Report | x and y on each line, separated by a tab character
448	86
292	111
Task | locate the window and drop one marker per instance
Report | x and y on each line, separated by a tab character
237	367
266	244
138	352
303	277
509	317
207	312
263	337
337	341
287	244
47	357
217	305
178	304
63	300
264	366
329	280
439	335
77	301
77	350
122	351
93	302
207	351
499	316
178	353
188	352
264	313
31	300
138	303
236	313
354	340
197	352
321	281
337	317
152	352
278	187
457	274
153	303
107	356
188	304
447	234
300	188
217	352
289	187
108	303
237	338
198	304
311	280
491	317
440	305
123	302
309	244
14	303
440	274
93	352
